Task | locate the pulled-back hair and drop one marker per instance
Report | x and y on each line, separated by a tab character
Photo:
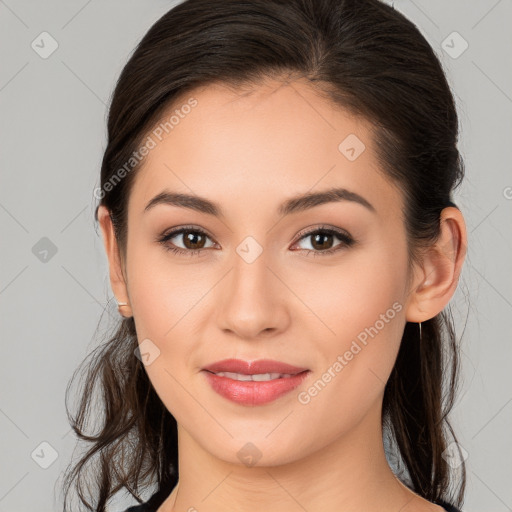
369	59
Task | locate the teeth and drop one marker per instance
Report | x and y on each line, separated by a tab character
258	377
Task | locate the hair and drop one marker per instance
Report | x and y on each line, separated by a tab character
365	57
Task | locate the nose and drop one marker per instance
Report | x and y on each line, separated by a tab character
252	300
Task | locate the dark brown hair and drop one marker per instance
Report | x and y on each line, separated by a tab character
365	57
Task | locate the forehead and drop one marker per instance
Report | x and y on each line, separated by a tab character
260	145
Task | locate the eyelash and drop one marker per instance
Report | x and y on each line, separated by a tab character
345	238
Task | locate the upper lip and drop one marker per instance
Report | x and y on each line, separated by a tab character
253	367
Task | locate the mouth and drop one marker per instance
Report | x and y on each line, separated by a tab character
259	367
256	377
249	384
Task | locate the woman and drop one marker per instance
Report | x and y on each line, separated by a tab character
276	207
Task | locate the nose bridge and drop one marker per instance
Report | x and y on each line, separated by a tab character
250	262
250	300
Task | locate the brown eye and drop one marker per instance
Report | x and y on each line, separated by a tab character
322	241
192	239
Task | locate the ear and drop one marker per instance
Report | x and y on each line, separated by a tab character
436	279
117	279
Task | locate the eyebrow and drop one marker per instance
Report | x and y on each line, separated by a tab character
293	205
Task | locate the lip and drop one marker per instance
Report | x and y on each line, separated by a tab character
251	393
253	367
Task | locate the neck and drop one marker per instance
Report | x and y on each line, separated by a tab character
349	474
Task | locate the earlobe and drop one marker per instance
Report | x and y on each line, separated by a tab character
117	279
440	269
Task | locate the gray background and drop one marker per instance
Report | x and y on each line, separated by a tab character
52	139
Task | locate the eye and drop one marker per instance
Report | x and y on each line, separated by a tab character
193	239
322	240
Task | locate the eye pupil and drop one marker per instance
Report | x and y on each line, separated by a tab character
191	236
321	236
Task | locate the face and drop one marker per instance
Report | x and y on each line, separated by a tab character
318	284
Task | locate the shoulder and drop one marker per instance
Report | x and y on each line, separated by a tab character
431	506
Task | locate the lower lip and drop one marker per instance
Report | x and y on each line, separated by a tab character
252	392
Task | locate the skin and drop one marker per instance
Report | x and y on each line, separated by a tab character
249	153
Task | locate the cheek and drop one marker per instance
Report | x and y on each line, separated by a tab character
345	298
166	303
164	295
360	305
